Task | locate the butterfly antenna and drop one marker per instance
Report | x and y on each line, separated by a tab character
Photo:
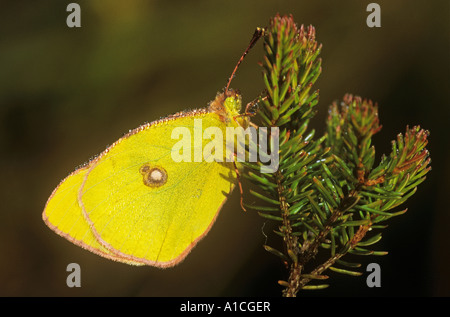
259	32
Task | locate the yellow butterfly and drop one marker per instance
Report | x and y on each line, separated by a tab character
135	204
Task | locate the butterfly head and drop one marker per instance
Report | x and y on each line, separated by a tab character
227	105
232	103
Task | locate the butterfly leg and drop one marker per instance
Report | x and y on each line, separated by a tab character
239	181
255	102
248	113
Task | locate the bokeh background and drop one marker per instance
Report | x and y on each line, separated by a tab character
65	94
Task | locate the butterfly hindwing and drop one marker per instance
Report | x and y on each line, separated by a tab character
63	215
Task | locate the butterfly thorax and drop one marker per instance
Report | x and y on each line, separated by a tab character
228	106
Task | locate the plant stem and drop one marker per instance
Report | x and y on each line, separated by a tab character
359	235
290	241
309	250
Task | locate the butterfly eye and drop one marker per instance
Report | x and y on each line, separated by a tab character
153	176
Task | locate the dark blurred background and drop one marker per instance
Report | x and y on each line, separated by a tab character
65	94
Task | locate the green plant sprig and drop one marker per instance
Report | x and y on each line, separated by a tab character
326	195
